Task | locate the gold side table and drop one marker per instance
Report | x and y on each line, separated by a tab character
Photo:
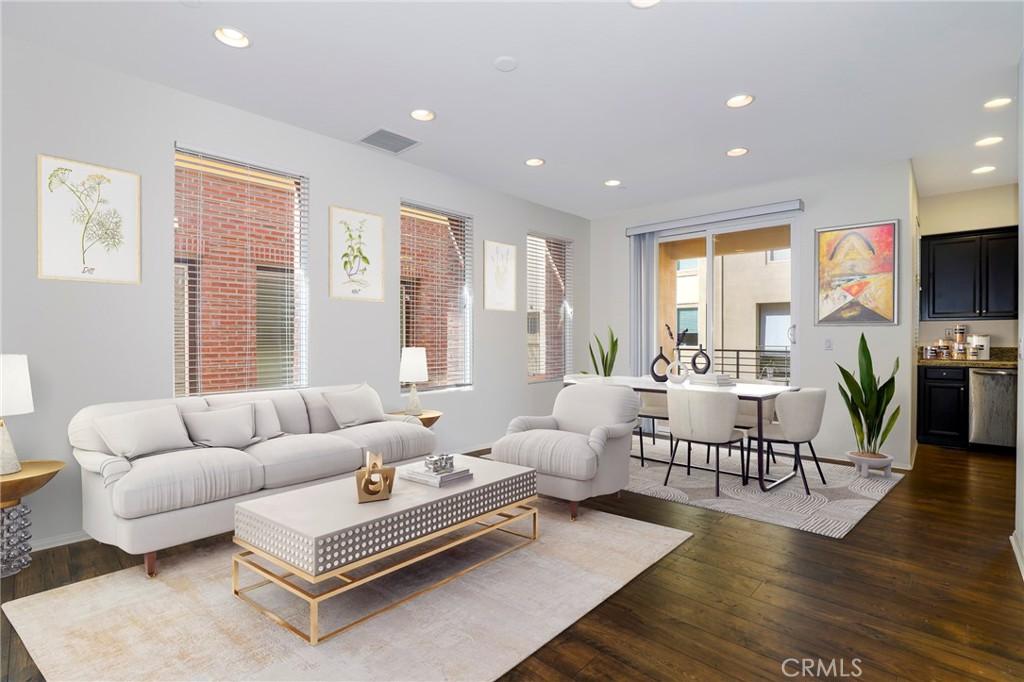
428	418
15	550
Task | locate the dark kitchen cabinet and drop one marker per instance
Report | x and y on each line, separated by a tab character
942	406
969	275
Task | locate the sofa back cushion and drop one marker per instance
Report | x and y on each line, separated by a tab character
142	432
289	405
359	405
227	427
582	407
82	431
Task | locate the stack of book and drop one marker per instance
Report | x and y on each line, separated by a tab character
426	477
711	379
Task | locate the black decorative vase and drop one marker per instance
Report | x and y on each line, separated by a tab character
701	361
660	358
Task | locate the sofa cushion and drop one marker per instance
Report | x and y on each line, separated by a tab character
305	457
133	434
230	427
394	440
268	425
289	407
320	418
184	478
359	405
558	453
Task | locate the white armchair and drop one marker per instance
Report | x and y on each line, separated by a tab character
582	449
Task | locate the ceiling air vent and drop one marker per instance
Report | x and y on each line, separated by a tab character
389	141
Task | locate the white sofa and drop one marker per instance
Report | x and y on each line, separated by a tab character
151	501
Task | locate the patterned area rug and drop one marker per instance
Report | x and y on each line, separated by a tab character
184	624
831	510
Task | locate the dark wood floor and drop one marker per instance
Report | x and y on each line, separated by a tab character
925	587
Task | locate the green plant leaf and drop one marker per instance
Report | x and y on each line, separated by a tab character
888	427
597	368
858	427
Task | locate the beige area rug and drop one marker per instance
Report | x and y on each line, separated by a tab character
186	625
832	509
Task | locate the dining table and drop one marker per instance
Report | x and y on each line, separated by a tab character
754	392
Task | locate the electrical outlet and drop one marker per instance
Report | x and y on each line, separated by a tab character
828	344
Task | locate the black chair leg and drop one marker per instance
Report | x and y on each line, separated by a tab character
707	460
814	456
716	471
671	460
689	451
654	431
641	445
800	465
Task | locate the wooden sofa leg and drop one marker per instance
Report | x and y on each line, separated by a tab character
573	507
150	563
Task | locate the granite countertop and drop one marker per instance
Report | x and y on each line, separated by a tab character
1001	357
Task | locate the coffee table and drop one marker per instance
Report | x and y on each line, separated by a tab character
321	533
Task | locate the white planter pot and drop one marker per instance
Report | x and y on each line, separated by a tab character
866	462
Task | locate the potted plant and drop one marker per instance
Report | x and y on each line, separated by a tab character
607	355
867	399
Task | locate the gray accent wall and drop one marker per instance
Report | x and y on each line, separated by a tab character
90	343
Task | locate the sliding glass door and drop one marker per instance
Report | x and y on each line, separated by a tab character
728	291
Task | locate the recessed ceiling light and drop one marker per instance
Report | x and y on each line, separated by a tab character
612	183
506	64
644	4
988	141
422	114
231	37
981	170
997	102
737	151
535	162
738	101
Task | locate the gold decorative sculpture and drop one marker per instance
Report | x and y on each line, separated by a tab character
374	481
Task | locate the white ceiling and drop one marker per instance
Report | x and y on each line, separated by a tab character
602	90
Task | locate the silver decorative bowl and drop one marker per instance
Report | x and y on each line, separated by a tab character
439	464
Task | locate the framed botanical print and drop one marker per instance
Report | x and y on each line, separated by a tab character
499	276
357	255
857	270
89	221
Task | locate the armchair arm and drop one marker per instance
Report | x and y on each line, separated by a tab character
530	423
600	435
111	468
406	418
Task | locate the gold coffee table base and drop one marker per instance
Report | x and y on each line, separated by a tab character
509	514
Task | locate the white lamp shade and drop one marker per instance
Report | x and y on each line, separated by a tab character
414	365
15	388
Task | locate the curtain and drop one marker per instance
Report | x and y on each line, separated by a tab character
643	267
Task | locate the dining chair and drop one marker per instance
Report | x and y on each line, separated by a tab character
705	418
800	413
653	406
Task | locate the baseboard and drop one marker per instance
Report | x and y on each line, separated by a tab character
59	540
1018	552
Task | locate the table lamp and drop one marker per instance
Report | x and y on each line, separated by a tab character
413	369
15	398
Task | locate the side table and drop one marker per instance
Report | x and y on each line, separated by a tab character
427	418
15	550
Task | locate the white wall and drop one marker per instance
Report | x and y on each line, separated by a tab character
973	210
90	343
841	198
1018	534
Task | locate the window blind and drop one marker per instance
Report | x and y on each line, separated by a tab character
436	304
549	280
241	299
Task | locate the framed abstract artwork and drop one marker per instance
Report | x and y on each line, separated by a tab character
857	274
89	220
357	255
499	276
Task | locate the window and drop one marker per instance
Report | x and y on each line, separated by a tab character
549	273
436	304
773	325
778	255
687	326
240	291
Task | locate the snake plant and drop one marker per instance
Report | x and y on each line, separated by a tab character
867	400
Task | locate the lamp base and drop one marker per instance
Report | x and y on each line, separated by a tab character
9	463
413	407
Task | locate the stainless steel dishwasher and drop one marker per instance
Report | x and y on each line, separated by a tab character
993	407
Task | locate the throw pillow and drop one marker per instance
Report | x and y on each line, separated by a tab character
133	434
231	427
358	405
268	425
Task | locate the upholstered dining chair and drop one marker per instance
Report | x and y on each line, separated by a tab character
800	413
706	418
582	449
653	406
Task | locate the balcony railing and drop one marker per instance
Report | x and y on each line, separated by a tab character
771	363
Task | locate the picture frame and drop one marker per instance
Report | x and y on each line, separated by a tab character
88	222
356	255
857	274
499	276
